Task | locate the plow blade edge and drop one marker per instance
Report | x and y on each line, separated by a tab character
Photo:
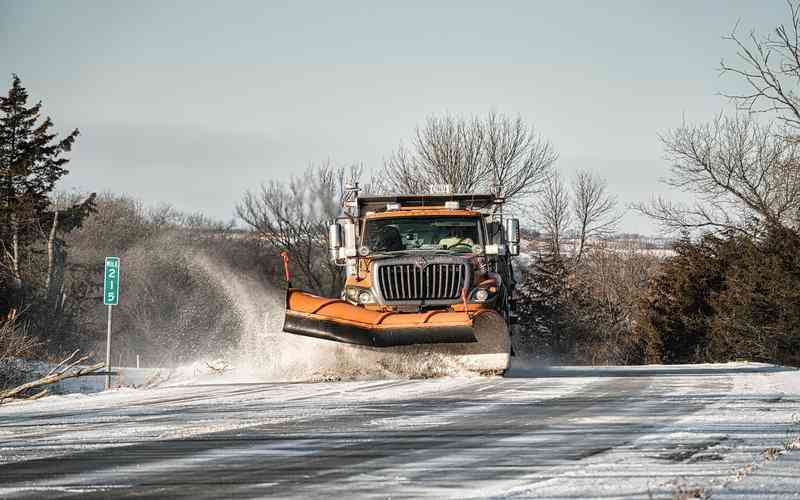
337	320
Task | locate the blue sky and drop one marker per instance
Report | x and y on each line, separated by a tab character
194	102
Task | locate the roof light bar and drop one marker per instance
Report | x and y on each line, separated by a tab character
392	206
452	205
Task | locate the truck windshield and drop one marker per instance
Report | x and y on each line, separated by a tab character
457	234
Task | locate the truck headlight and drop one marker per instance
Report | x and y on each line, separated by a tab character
483	294
359	295
365	297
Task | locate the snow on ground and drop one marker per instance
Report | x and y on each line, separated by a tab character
745	445
58	425
725	431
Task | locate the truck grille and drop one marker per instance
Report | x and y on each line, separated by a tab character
436	281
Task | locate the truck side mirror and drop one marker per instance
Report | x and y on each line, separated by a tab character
512	230
350	239
512	235
334	240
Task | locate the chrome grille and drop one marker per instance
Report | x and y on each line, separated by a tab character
435	281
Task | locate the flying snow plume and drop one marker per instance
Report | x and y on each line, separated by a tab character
266	353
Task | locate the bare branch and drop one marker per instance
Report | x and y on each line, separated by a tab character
742	175
595	210
552	213
496	153
294	216
64	361
52	378
770	66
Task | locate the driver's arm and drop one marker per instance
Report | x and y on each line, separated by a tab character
453	241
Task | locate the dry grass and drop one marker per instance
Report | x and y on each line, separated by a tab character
684	491
15	343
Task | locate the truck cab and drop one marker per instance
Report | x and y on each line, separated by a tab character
421	252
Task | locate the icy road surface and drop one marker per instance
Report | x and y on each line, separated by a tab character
724	431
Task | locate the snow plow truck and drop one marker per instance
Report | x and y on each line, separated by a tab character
431	271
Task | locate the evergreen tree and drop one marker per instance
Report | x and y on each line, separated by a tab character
727	297
679	306
31	162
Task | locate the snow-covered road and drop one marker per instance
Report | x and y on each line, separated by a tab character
728	431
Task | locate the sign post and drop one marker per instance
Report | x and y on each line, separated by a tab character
110	298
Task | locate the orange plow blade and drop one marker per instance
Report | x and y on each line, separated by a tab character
337	320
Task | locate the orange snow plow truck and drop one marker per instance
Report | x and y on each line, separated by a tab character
431	271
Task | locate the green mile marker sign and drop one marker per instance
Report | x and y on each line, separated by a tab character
111	282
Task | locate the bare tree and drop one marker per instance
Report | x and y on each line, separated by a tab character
742	174
294	216
586	211
770	67
495	153
518	158
571	287
594	209
552	211
447	150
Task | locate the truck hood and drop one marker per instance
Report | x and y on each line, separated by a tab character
424	254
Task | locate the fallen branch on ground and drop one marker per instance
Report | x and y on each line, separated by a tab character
67	369
218	367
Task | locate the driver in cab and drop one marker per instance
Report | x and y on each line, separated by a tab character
457	236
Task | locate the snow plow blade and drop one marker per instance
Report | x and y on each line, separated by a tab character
337	320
